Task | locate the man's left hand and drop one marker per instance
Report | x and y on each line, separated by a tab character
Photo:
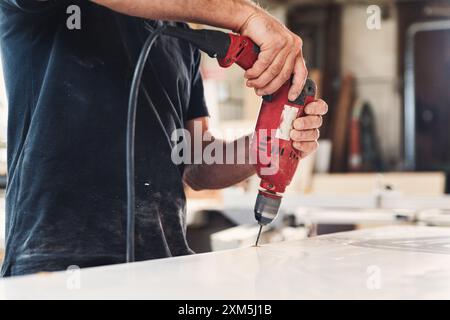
306	132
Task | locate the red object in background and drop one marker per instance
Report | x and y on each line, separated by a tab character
355	156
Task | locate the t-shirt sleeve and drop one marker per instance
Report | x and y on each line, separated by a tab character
31	5
197	104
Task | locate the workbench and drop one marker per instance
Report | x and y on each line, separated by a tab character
404	262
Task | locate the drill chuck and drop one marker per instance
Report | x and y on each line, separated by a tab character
266	208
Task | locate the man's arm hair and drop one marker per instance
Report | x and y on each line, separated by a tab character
228	14
222	175
201	176
280	57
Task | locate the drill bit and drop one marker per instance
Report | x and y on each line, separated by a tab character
259	234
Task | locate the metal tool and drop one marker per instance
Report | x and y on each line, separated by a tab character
259	235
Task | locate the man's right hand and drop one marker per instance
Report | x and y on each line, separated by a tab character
281	50
281	55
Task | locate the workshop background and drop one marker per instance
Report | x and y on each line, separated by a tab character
384	156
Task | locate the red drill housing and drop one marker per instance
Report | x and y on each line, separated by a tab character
275	157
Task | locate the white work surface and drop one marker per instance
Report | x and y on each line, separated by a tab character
393	262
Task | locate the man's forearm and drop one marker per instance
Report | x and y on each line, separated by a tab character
217	175
228	14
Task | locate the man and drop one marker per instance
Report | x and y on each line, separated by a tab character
68	91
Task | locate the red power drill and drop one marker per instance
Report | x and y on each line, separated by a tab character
276	158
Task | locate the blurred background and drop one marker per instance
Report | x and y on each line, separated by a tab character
384	155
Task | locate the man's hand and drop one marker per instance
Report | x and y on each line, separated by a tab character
306	129
281	56
304	135
281	50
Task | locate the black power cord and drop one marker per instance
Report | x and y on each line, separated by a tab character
130	140
215	44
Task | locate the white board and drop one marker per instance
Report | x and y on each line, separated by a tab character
384	263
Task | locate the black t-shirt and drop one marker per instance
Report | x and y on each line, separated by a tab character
67	92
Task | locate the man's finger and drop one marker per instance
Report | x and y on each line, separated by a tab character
308	123
318	108
271	72
299	78
278	79
305	135
265	59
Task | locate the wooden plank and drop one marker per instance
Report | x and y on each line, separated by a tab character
340	124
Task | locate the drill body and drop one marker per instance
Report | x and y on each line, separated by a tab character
276	160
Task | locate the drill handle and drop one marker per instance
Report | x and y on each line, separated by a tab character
242	51
307	95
